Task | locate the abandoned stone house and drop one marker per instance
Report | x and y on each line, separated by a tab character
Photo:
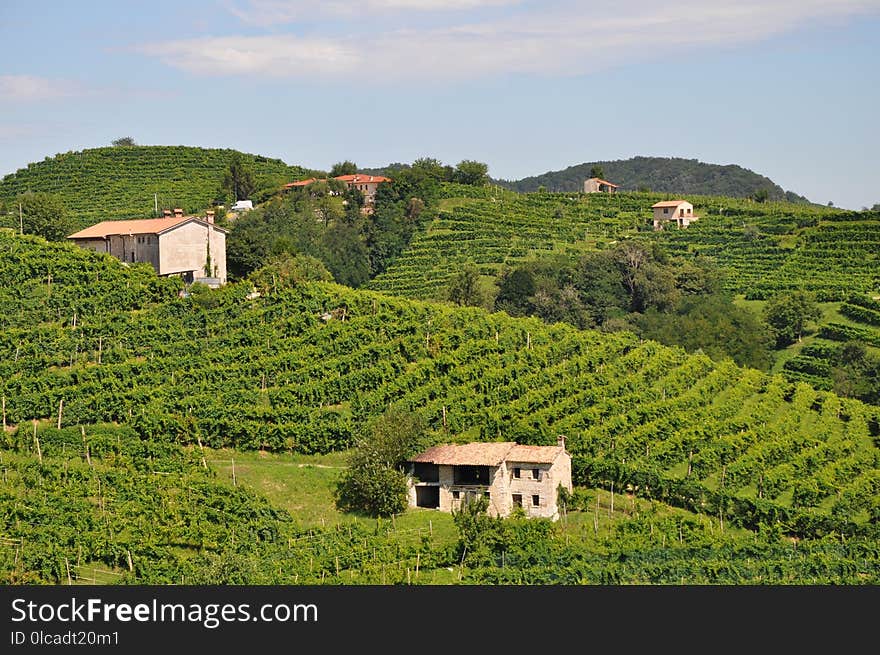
680	212
187	246
511	475
598	185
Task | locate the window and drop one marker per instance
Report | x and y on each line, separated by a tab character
517	500
455	495
666	210
536	474
681	212
516	472
536	500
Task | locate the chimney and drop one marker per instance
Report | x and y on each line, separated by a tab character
209	216
178	212
560	441
166	213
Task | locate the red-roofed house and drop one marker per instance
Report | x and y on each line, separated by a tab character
189	246
509	474
366	184
681	212
598	185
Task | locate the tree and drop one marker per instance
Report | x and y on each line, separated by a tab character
788	316
464	289
761	195
124	141
597	171
374	481
343	168
239	180
44	214
471	172
433	168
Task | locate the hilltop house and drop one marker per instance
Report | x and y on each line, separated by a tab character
509	474
681	212
187	246
366	184
598	185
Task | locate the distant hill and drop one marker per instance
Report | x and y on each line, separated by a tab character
663	175
120	182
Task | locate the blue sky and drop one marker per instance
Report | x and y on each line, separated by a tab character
787	88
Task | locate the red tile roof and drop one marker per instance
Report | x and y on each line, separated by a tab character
362	179
601	181
488	454
138	226
307	182
668	203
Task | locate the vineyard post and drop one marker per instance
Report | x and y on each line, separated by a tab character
37	442
418	560
4	413
67	566
60	409
130	563
100	347
234	483
596	515
611	507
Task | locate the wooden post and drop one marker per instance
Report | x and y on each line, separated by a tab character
431	527
67	566
20	220
528	340
337	566
418	560
4	413
100	347
37	442
596	515
60	409
234	482
130	563
202	448
611	509
444	417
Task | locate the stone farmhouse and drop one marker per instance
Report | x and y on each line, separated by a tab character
598	185
366	184
187	246
509	474
680	212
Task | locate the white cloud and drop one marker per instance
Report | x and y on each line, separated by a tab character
273	12
29	88
569	38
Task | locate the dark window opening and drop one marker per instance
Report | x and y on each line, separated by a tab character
536	474
428	497
426	472
516	472
517	500
536	500
477	475
455	494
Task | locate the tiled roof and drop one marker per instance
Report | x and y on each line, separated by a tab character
487	454
307	182
601	181
138	226
361	179
668	203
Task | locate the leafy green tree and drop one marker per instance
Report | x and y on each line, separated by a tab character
515	289
239	181
761	195
343	168
597	171
123	141
433	168
789	315
288	270
44	214
471	172
374	481
464	289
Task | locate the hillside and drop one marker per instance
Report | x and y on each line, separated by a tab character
763	247
663	175
127	181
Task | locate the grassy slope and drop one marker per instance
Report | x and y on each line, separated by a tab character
123	182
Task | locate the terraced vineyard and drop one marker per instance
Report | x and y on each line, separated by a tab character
272	373
126	182
765	248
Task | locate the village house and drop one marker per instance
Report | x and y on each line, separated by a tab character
680	212
598	185
187	246
366	184
510	475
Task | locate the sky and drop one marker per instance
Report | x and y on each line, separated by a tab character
787	88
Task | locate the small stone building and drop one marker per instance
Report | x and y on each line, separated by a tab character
188	246
680	212
366	184
598	185
509	474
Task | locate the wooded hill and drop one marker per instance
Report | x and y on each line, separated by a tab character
661	174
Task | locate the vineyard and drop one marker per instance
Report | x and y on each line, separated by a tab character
303	369
127	182
763	248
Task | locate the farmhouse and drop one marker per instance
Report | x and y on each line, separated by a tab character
510	475
598	185
187	246
681	212
366	184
